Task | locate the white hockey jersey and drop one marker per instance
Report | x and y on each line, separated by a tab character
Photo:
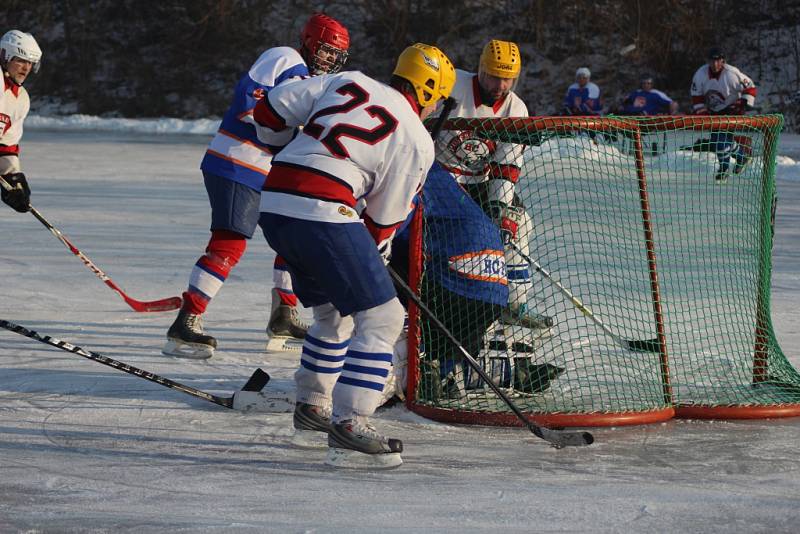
361	141
471	158
717	92
14	107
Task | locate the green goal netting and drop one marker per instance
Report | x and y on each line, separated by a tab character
647	242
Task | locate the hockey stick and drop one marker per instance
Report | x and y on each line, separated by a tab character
557	438
171	303
449	104
256	382
645	345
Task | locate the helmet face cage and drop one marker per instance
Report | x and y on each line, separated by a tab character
20	45
327	59
325	42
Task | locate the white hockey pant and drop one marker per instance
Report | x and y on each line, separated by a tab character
351	376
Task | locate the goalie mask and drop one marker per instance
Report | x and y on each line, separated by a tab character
429	72
324	44
499	69
20	45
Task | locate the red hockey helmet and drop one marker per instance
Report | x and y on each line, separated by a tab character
324	44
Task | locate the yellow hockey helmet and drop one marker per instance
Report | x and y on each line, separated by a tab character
428	70
501	59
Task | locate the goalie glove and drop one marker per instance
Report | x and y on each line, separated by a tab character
508	219
19	194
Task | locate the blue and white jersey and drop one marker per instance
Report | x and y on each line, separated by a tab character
641	102
583	100
236	152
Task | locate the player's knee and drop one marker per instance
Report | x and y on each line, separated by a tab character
225	248
384	321
330	325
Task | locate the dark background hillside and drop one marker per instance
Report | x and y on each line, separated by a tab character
181	58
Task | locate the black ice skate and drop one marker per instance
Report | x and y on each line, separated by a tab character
356	443
311	424
185	338
285	330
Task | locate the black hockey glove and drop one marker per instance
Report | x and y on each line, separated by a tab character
19	197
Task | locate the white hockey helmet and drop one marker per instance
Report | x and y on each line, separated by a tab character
583	72
22	45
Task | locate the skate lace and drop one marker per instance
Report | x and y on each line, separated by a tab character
362	426
194	323
295	318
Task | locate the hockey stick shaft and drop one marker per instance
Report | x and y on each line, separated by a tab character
171	303
557	438
649	345
449	104
256	382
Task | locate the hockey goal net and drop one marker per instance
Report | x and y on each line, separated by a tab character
654	267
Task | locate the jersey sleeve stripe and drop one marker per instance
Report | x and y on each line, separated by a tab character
307	182
265	115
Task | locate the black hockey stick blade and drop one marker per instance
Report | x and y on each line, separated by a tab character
257	381
644	345
561	438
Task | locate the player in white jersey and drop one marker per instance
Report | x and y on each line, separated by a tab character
362	145
19	56
234	168
489	171
722	89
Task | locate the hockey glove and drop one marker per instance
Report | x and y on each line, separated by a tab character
19	197
507	218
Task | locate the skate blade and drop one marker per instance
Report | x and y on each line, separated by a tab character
284	344
309	439
350	459
192	351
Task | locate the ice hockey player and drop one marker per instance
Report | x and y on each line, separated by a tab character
466	288
583	96
647	100
234	168
362	142
489	171
722	89
19	56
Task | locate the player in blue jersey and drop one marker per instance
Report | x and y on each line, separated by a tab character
647	100
234	168
583	96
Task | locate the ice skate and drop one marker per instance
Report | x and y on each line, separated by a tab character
355	443
285	330
185	338
519	315
311	425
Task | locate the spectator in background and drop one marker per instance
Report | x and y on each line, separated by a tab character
583	96
648	101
